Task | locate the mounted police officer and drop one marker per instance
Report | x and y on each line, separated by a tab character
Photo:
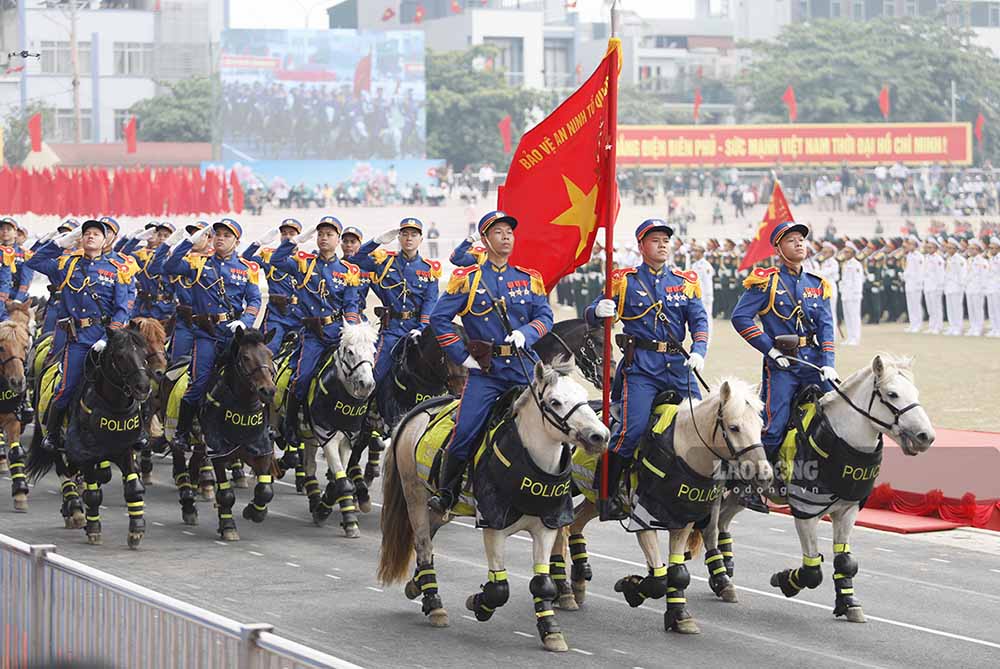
350	244
53	309
328	297
793	307
155	299
504	310
182	341
96	292
405	283
658	307
282	301
20	275
224	297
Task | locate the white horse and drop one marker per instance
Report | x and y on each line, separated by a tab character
335	415
725	425
547	416
877	400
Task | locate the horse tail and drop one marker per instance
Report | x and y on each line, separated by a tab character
695	542
40	462
397	532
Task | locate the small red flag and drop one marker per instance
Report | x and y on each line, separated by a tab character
363	75
130	143
760	246
980	122
789	99
456	7
504	127
697	103
883	102
234	182
418	14
388	14
35	130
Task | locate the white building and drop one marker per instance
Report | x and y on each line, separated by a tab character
123	48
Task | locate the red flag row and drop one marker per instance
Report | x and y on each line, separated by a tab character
171	191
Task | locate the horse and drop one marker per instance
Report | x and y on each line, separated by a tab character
104	427
333	413
155	335
15	343
828	465
525	472
678	475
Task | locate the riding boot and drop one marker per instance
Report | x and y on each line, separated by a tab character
185	421
54	429
613	508
449	484
290	425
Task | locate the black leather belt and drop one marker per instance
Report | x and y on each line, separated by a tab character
87	322
657	346
504	350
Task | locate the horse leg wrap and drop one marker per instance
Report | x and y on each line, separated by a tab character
360	485
425	582
678	580
206	475
18	481
342	491
133	500
236	472
718	579
557	569
543	591
290	458
726	548
71	499
185	491
134	489
581	561
102	472
92	497
146	461
263	493
311	487
375	448
845	568
637	589
495	593
225	498
300	470
792	581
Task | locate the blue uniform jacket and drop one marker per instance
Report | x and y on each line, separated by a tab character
777	297
155	298
279	283
100	289
325	287
401	284
466	255
522	290
21	274
218	285
668	315
6	279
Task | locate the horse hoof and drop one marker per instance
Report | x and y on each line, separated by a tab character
438	618
207	493
686	626
352	531
77	520
580	591
4	467
412	590
728	594
365	506
856	614
567	602
68	522
555	642
20	502
230	535
250	513
190	518
134	539
470	603
94	539
147	479
241	483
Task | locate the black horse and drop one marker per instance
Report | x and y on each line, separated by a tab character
105	426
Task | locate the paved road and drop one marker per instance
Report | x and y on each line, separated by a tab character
928	598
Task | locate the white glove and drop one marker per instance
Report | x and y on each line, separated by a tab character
98	346
829	374
236	326
775	354
414	333
144	234
470	363
175	239
605	308
473	238
306	236
201	234
68	239
516	338
695	362
387	236
269	237
47	236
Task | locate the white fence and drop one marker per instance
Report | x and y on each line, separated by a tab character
56	609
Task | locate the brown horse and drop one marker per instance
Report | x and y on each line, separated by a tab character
155	335
14	345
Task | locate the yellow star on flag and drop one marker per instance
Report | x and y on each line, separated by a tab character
581	212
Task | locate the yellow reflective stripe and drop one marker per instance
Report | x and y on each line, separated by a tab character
92	518
812	561
718	570
259	507
92	486
131	477
542	568
225	515
812	442
425	572
676	600
727	541
104	464
847	591
339	475
713	558
660	571
264	478
139	503
842	548
677	558
225	485
580	540
542	614
428	586
500	456
497	576
652	468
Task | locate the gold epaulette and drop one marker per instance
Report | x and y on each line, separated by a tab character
9	257
265	254
759	278
353	275
692	287
435	268
459	281
302	259
252	269
619	280
126	268
479	253
195	260
381	254
827	289
537	282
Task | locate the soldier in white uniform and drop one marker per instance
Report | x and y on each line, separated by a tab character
993	298
828	267
852	283
913	282
954	286
706	276
976	286
933	285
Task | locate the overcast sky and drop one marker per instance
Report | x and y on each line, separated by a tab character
292	13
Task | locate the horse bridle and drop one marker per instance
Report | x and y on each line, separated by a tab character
734	454
588	359
124	386
349	371
560	422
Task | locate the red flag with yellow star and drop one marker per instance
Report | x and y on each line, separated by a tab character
559	186
760	246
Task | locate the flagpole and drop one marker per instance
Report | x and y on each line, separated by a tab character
611	211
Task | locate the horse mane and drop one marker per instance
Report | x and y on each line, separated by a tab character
551	372
743	397
12	331
252	337
151	330
894	364
358	335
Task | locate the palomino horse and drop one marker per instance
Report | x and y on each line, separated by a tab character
334	411
828	465
521	483
104	426
679	478
14	345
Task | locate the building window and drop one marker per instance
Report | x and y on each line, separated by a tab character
133	58
995	15
511	57
889	8
557	69
859	10
57	57
835	9
61	125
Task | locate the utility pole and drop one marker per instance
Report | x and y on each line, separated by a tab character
75	59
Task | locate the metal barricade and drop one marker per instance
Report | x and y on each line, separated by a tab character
53	608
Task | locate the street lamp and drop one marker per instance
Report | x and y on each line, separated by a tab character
308	8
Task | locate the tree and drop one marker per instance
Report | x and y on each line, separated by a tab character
16	139
182	114
838	68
